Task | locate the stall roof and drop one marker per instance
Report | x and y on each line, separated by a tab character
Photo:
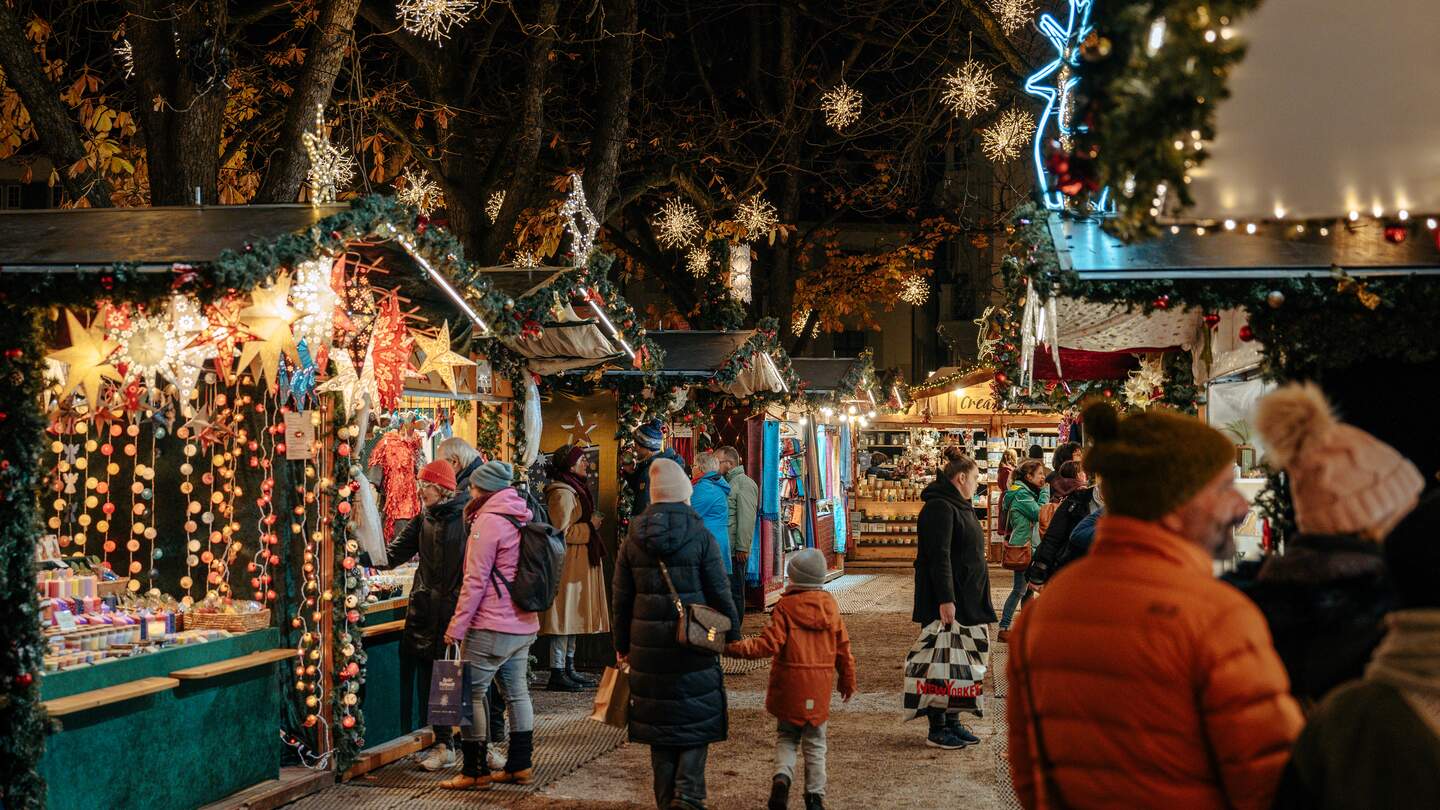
822	375
698	351
518	282
100	237
1082	246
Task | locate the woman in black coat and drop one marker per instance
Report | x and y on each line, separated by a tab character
677	695
952	578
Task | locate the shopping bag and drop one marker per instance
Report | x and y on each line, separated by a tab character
449	691
945	670
612	700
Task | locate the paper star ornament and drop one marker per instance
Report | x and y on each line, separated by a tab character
439	357
268	319
579	431
351	387
85	360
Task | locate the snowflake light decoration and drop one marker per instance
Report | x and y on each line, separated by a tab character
970	90
676	224
331	167
526	258
697	261
1013	14
420	191
149	345
1003	140
433	19
494	204
126	54
756	215
915	289
841	105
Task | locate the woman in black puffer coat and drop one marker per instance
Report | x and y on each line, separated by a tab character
677	695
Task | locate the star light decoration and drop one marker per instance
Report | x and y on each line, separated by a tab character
1003	140
1013	14
841	105
439	357
433	19
421	192
915	289
494	204
676	225
126	54
756	215
268	321
970	90
351	387
86	361
315	301
580	222
331	167
697	261
579	431
149	345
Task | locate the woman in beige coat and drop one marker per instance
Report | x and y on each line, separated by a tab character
580	608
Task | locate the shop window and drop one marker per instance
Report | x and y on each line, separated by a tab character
11	198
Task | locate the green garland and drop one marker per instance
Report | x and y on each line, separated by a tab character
487	430
1134	105
348	614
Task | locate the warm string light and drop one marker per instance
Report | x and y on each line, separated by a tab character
1003	140
842	105
494	204
970	90
417	189
331	167
757	216
915	289
580	222
1013	14
697	261
433	19
676	224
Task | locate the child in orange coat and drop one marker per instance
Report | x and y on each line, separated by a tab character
809	642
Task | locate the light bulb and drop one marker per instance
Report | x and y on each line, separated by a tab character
1376	210
1210	36
1174	229
1324	231
1300	229
1279	212
1250	227
852	410
1199	230
1430	223
1404	215
1354	215
1229	224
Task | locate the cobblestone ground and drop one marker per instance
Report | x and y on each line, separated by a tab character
877	759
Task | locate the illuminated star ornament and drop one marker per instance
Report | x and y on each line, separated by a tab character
970	90
757	216
1055	83
439	357
433	19
676	225
148	346
580	222
351	386
315	302
841	105
86	361
915	289
268	320
1013	14
420	191
1003	140
331	167
579	431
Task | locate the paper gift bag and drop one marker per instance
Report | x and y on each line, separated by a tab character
612	700
946	670
449	694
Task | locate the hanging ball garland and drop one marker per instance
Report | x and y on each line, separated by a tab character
1246	333
1275	299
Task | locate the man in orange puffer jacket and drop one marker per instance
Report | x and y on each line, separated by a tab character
1139	680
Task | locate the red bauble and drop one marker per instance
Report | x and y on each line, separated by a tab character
1212	319
24	679
14	354
280	447
1395	234
1246	333
348	721
1109	393
1001	378
344	507
1162	302
343	450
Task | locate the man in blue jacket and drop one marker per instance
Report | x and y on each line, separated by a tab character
711	500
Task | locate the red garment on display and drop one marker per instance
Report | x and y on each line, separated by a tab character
1081	365
396	455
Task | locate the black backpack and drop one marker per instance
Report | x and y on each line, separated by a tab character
537	574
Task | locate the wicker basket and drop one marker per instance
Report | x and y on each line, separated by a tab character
233	622
113	587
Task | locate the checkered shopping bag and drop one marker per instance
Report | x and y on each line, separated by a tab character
946	669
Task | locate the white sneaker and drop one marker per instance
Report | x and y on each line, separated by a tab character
441	756
494	760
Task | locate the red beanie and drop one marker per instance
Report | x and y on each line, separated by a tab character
439	473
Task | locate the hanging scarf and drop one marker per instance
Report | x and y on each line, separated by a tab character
562	471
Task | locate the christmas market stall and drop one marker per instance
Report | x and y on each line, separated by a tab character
187	394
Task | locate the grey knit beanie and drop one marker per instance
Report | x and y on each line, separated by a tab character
807	570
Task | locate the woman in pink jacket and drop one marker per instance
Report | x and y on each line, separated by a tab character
496	633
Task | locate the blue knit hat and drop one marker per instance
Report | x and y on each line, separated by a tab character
651	436
492	476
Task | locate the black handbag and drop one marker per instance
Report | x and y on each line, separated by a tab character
700	627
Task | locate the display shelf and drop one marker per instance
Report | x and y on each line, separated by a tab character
255	659
95	698
384	627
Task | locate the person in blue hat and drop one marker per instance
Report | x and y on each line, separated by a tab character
650	445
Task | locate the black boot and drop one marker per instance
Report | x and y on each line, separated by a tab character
779	792
519	765
559	682
814	801
579	677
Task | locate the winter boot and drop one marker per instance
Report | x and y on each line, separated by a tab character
940	736
471	777
560	682
779	792
519	765
814	801
952	724
581	678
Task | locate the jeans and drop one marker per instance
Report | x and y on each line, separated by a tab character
679	774
737	585
790	739
562	652
1019	595
503	658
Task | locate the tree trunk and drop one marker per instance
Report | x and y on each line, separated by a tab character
180	98
527	142
59	135
612	120
289	165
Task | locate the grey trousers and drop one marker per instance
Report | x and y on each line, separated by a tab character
502	658
679	774
791	740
